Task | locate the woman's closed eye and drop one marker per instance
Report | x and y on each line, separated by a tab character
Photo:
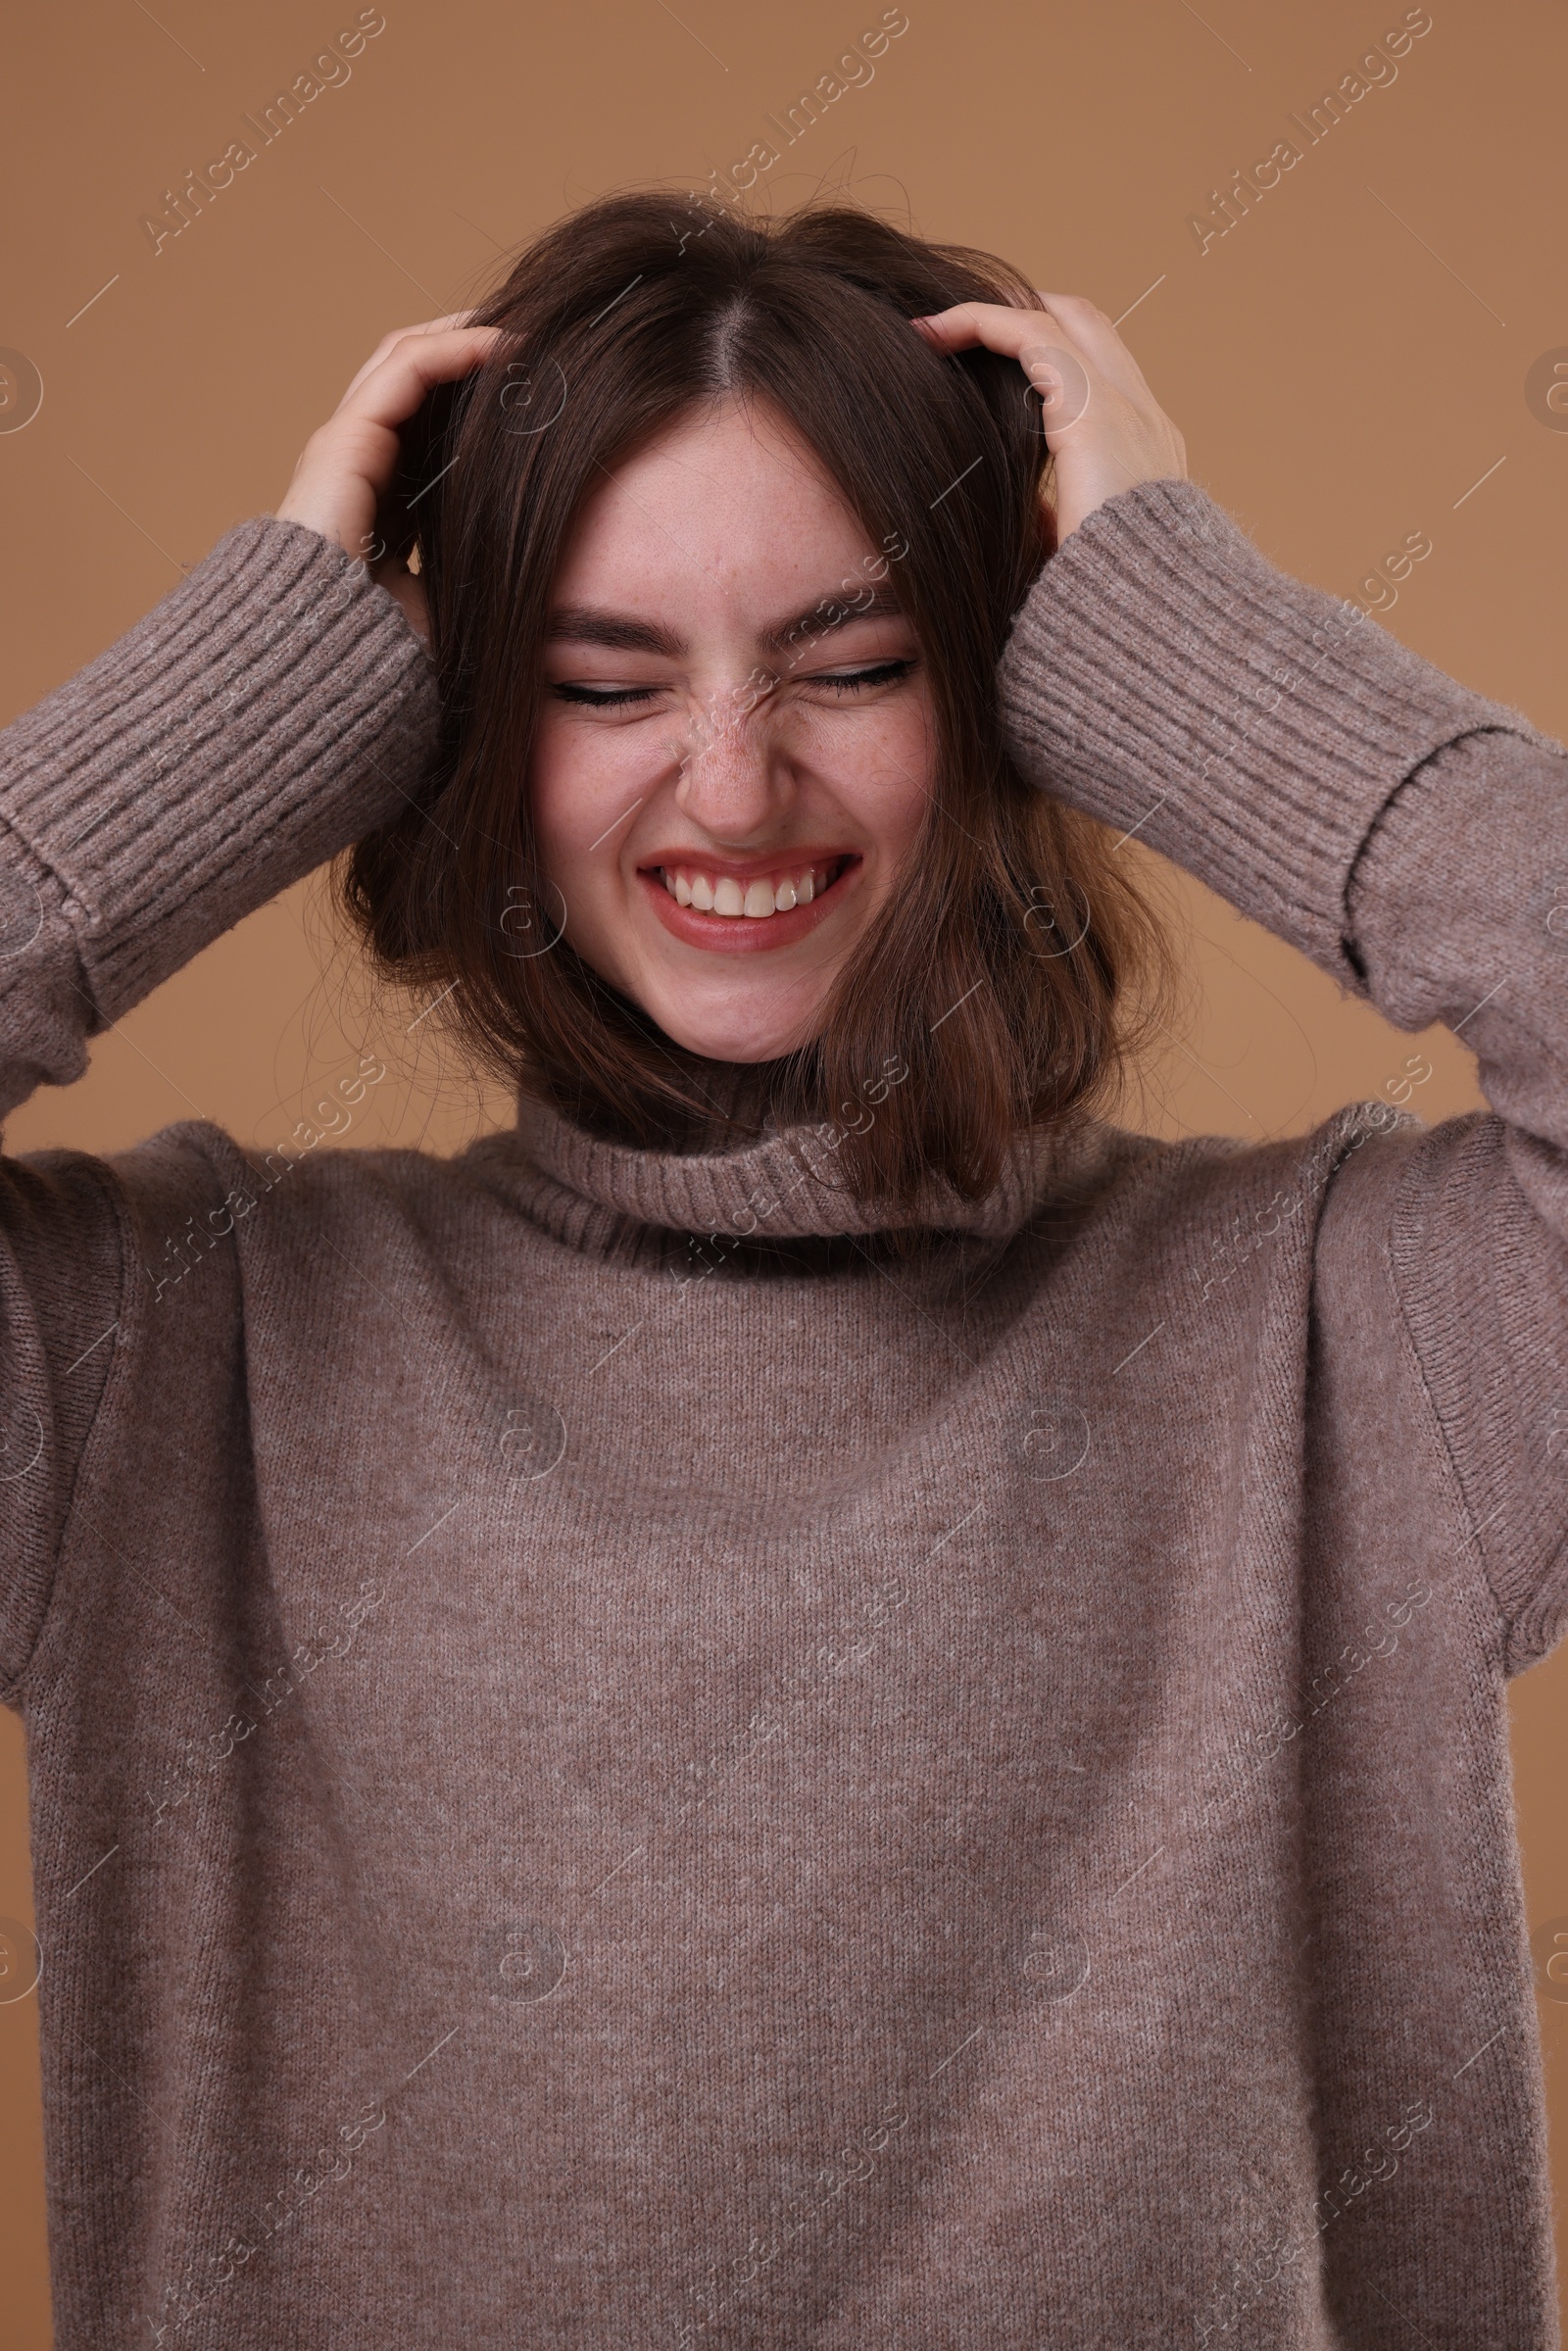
848	681
881	674
604	698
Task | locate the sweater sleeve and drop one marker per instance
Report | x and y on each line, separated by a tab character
272	708
1410	836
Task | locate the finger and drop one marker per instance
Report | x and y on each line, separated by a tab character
391	391
1067	322
389	343
1012	333
1046	350
996	325
1096	337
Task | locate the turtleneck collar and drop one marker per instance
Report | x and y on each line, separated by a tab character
785	1185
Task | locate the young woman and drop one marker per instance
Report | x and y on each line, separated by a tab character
818	1698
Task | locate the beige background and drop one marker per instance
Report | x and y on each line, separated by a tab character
1348	365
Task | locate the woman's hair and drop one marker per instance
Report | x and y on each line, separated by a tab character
999	971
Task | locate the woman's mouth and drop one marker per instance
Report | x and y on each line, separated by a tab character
729	906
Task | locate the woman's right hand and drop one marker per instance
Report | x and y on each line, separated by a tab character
347	465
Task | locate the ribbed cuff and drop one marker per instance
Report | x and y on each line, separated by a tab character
271	708
1165	676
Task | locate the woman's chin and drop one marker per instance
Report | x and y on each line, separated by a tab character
736	1033
718	1045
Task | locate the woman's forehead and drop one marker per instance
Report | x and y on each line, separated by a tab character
723	505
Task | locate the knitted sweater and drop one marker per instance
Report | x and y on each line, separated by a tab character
613	1763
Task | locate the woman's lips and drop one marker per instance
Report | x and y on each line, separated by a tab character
743	933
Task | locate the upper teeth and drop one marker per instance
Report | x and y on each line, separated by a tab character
724	895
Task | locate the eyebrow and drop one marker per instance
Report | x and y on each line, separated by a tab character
624	632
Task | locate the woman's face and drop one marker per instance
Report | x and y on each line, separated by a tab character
735	749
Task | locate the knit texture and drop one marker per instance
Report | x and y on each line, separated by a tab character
596	1783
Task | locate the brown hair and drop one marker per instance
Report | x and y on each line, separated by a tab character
999	975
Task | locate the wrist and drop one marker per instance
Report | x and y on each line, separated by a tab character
332	498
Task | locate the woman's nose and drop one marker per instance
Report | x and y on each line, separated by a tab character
731	779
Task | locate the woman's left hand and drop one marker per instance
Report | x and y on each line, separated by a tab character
1102	424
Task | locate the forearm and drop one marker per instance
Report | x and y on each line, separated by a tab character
1459	912
1165	676
272	708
